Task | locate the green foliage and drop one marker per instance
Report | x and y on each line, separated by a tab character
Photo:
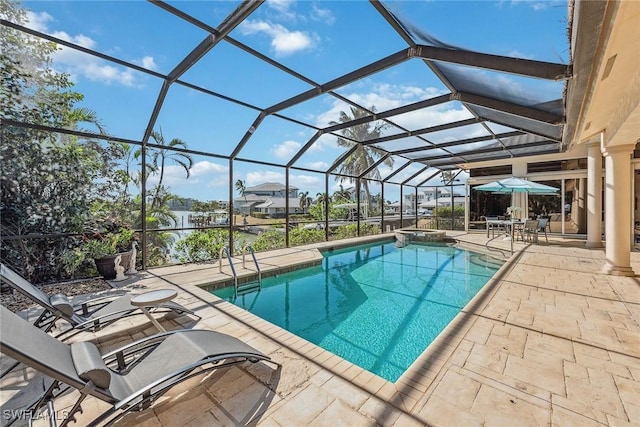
78	261
365	156
210	206
200	246
48	181
260	215
272	239
303	236
351	230
445	211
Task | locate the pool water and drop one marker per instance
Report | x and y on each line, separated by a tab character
375	305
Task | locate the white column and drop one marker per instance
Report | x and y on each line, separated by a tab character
519	200
618	210
594	195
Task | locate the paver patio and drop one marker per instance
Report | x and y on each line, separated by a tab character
549	341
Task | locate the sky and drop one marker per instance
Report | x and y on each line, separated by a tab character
321	40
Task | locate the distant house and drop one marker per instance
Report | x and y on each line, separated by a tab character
276	207
270	198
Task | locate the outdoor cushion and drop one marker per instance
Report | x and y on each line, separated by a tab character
61	302
89	364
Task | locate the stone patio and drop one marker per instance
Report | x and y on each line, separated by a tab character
549	341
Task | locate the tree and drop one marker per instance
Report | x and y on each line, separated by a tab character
165	152
341	195
305	201
321	200
241	189
48	181
364	156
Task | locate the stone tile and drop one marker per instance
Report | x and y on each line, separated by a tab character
304	407
381	411
562	417
441	412
338	414
495	407
184	407
489	357
600	391
458	390
539	369
407	420
349	394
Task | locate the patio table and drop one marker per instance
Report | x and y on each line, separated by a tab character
511	226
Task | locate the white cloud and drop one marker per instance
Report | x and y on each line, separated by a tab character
206	168
147	62
286	150
202	174
283	41
319	166
322	15
303	182
38	21
259	177
82	65
282	6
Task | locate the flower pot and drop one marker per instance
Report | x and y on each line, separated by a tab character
106	265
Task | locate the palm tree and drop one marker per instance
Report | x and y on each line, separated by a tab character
341	195
322	198
305	201
364	156
241	188
159	157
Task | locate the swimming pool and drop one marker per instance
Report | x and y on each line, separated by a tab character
376	305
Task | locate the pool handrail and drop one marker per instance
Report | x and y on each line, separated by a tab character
233	269
255	261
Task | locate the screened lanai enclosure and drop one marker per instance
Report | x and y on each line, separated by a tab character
194	126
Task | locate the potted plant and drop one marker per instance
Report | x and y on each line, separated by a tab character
102	249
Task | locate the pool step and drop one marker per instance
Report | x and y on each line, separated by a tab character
486	261
247	288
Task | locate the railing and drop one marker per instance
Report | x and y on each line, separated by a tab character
255	261
233	269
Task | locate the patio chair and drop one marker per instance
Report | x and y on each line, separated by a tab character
530	230
495	226
91	315
130	378
543	225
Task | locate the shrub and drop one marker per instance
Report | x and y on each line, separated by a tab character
272	239
303	236
200	246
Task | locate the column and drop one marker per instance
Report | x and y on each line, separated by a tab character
618	210
594	195
520	200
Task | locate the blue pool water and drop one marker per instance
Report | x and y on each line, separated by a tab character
375	305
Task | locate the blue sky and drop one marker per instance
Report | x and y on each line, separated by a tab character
321	40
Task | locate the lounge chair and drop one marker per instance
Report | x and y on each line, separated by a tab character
130	378
91	315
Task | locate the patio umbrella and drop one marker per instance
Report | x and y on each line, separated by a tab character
516	185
